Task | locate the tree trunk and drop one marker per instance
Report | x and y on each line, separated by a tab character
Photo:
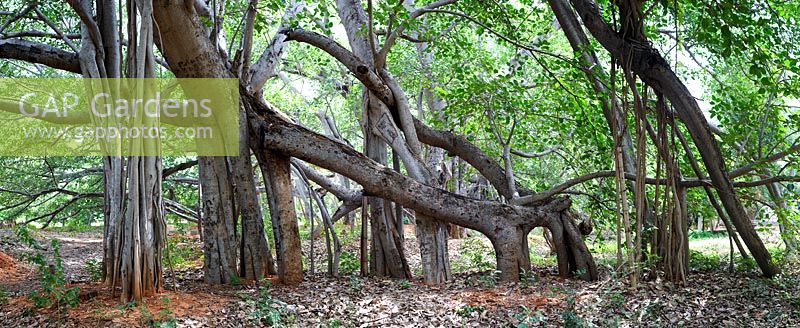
143	231
219	221
386	247
255	257
278	180
114	180
133	209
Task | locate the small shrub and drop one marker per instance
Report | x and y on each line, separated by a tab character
170	322
404	284
528	278
181	252
349	263
525	319
467	310
93	268
53	291
270	311
167	319
745	264
333	323
145	314
3	296
123	308
705	234
570	317
490	280
702	261
579	272
478	254
355	283
787	284
617	300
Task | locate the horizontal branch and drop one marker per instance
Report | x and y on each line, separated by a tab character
545	152
63	206
177	168
537	197
180	210
757	183
39	53
268	131
38	34
752	166
459	146
342	193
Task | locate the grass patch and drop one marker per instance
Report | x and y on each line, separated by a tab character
705	234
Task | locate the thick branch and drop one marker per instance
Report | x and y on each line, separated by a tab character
342	193
39	53
38	34
271	132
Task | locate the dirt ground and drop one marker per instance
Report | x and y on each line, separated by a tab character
714	298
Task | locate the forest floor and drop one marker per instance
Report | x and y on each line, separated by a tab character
712	296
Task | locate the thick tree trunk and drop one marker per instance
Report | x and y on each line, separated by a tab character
219	221
255	256
572	255
114	185
386	248
133	210
143	231
191	55
278	180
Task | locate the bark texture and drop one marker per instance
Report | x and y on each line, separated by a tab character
277	176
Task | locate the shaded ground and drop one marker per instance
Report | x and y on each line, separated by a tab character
713	298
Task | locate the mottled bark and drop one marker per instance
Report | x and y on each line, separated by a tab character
255	256
277	175
219	221
39	53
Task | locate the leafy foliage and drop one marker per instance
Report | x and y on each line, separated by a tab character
269	311
475	255
54	290
93	268
349	263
